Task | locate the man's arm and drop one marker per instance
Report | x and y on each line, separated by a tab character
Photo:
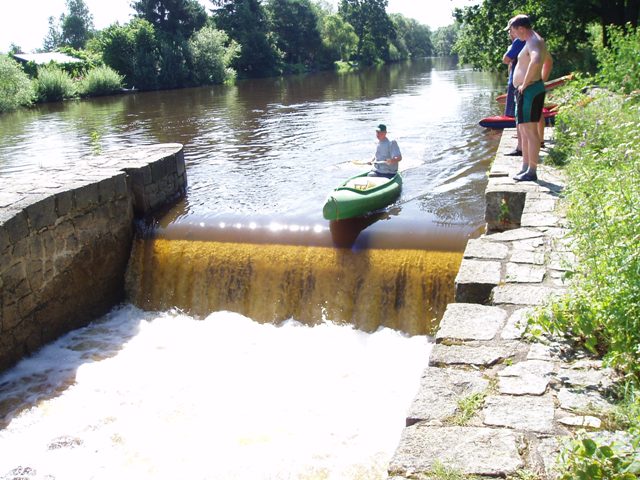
547	66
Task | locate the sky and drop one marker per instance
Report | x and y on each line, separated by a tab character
25	22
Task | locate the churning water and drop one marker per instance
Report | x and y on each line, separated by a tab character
163	396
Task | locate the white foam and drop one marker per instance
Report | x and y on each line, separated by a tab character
166	396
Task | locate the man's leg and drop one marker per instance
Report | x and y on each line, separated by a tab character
530	150
541	129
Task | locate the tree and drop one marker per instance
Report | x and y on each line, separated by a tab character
563	23
53	39
176	18
211	55
295	25
339	36
16	88
444	39
76	24
372	26
245	22
133	51
411	36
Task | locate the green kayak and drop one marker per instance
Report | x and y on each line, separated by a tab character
360	195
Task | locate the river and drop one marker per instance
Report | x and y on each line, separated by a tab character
290	378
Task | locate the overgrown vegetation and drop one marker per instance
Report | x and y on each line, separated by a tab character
16	89
100	81
598	143
54	84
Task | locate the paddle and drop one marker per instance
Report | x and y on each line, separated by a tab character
361	162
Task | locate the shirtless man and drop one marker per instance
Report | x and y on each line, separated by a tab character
527	78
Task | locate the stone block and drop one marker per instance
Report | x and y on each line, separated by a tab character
86	196
440	390
16	227
525	378
525	295
64	202
539	204
524	273
581	400
471	450
466	321
539	220
527	256
528	413
477	355
180	164
476	279
515	235
482	249
162	168
516	324
503	209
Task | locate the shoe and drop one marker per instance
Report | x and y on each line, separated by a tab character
520	173
526	177
514	153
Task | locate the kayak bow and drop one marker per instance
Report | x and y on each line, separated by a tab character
360	195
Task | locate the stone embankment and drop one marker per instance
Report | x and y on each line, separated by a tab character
527	395
65	239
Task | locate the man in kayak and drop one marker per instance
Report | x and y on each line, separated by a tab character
527	78
385	161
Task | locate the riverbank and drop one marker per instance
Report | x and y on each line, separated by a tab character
65	240
492	402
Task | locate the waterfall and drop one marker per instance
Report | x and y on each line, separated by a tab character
403	289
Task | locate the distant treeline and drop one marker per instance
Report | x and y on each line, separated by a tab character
179	43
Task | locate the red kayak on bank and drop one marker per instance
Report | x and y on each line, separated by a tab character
549	85
503	121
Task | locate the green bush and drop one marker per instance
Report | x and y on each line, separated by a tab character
100	81
602	309
210	56
591	457
16	88
54	84
620	61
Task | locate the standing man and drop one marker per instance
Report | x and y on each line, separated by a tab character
385	161
530	92
511	59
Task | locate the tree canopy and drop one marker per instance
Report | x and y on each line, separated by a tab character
565	25
372	26
174	17
245	21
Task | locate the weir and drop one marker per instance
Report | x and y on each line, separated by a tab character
403	289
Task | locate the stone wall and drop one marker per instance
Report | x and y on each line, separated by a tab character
492	401
65	239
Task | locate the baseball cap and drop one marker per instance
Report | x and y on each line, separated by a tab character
519	21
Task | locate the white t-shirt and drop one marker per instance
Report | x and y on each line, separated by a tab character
386	149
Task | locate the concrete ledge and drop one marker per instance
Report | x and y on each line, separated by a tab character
65	241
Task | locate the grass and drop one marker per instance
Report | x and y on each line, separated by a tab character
54	84
467	407
100	81
597	143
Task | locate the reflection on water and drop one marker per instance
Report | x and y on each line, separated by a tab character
278	146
